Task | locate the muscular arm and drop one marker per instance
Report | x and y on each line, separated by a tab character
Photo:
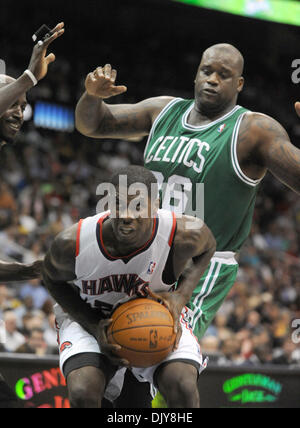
97	119
270	148
19	271
193	251
58	271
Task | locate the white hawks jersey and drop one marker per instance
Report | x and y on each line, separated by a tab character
104	281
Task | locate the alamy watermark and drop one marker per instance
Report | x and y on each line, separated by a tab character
296	72
296	332
137	201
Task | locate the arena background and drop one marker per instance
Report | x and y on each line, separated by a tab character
49	179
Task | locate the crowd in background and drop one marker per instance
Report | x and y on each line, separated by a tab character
48	181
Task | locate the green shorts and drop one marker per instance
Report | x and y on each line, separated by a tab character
211	291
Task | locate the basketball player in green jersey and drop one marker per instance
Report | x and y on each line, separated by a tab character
209	140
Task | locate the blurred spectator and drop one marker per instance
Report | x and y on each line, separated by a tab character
288	354
14	338
36	291
35	344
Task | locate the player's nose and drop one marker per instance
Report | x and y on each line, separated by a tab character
213	79
18	113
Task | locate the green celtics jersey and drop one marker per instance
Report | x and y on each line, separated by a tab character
199	174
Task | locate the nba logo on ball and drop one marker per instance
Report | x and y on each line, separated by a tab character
151	268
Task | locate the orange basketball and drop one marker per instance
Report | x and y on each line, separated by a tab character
145	330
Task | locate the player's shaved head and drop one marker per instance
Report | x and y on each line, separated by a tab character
219	79
228	53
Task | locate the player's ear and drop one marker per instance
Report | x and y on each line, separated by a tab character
241	82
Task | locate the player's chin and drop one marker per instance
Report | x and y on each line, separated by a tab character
9	137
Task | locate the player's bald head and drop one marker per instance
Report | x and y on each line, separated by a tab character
228	53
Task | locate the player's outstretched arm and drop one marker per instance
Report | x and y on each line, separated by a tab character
272	149
38	66
20	271
97	119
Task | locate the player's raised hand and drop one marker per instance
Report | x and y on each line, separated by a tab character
101	83
39	62
297	108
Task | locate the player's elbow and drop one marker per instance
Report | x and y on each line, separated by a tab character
81	127
212	245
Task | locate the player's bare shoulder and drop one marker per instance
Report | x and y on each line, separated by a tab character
60	259
192	236
156	104
258	128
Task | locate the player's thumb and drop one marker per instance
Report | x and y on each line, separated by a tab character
50	58
120	90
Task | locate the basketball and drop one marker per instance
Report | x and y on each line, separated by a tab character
145	330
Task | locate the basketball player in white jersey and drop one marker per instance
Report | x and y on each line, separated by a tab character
110	260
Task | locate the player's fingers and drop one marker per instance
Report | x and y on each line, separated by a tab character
50	58
53	37
158	298
113	76
107	71
103	325
297	107
91	77
98	73
119	362
58	27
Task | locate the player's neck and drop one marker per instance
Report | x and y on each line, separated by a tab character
200	116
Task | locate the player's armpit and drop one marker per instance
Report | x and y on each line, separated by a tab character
274	150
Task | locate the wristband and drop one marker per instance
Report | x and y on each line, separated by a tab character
31	76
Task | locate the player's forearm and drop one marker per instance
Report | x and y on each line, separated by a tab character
18	271
70	301
191	277
89	114
10	93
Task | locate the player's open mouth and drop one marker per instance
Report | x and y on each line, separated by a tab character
126	230
210	91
